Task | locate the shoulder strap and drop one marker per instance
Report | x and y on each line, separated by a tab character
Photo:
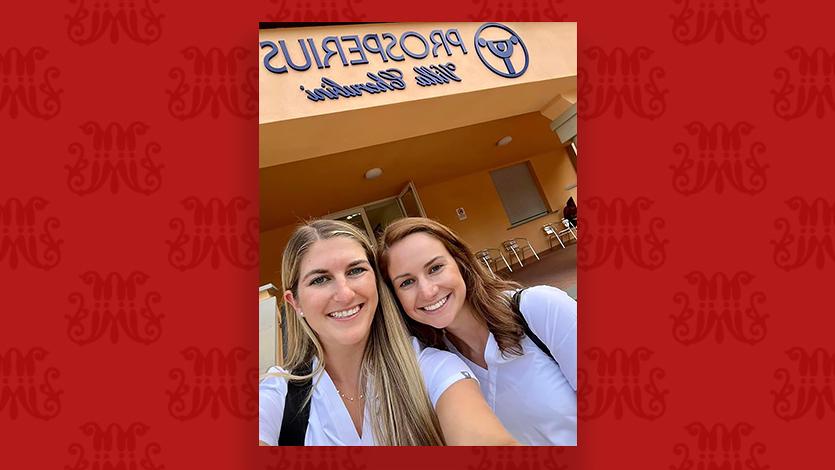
516	303
294	422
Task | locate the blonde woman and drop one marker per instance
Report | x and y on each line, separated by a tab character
521	344
364	380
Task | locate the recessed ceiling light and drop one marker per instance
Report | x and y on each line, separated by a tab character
373	173
504	140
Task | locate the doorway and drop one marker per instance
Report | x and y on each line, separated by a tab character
374	217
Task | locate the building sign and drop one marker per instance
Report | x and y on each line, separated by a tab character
501	56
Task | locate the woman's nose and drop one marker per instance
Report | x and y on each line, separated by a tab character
344	293
428	290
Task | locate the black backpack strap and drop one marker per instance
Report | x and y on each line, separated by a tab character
296	411
516	304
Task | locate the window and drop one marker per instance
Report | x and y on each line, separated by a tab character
571	150
519	193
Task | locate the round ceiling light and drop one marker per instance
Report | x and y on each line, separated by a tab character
504	141
373	173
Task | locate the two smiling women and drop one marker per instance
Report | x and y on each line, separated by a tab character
366	381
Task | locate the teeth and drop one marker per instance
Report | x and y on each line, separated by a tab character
436	305
345	313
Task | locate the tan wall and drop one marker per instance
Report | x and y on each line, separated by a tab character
271	246
487	224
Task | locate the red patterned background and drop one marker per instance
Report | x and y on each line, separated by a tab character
129	235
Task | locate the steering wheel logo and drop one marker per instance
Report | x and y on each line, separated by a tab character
501	48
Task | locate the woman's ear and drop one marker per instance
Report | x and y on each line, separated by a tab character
288	297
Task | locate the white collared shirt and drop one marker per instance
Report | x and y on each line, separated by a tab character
533	397
330	423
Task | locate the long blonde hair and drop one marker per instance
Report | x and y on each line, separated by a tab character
401	412
486	294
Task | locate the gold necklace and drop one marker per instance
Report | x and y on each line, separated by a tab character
347	397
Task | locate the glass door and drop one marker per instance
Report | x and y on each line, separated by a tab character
355	216
381	214
410	202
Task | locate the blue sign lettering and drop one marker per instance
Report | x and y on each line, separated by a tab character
498	55
382	81
436	74
378	47
414	55
355	51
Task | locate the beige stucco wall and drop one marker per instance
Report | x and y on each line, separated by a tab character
486	225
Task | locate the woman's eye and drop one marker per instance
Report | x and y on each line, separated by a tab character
407	283
435	268
318	280
356	271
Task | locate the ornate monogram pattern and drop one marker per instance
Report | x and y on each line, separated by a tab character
116	157
740	19
720	158
26	85
813	87
304	12
216	230
114	447
301	458
619	230
720	308
216	380
718	447
216	80
114	303
620	80
811	389
24	388
620	381
534	10
135	19
811	237
520	458
24	236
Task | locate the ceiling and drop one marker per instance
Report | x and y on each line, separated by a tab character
321	185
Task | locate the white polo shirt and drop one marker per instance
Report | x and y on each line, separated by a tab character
329	423
533	397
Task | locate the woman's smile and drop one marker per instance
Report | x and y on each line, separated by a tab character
434	307
347	314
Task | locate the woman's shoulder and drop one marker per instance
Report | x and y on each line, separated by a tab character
428	356
275	379
538	298
440	369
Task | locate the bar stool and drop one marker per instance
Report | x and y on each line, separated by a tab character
513	246
488	257
551	235
568	230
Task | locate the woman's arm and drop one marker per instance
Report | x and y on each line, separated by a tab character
272	391
552	316
467	420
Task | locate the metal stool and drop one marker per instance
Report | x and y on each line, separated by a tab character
551	235
488	257
513	246
568	230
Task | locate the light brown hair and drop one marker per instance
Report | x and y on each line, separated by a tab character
401	412
486	294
